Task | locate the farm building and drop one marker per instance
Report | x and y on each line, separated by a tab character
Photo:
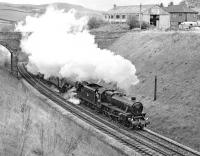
152	14
179	14
198	12
160	17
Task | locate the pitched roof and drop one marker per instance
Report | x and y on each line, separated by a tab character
196	9
130	9
179	8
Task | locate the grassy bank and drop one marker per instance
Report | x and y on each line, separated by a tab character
30	126
174	57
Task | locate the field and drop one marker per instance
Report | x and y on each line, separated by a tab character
175	59
12	13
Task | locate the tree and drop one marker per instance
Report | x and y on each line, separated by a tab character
190	3
144	25
95	23
161	5
183	3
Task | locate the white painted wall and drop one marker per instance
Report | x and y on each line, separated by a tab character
146	18
164	22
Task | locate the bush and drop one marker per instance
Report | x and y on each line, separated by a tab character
144	25
95	23
133	22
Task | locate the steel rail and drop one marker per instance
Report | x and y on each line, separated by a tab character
139	147
165	148
182	147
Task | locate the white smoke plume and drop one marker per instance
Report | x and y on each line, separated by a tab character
61	45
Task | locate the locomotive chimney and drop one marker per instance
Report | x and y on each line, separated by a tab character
133	99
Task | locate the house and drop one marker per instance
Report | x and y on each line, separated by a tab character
160	17
197	10
152	14
179	14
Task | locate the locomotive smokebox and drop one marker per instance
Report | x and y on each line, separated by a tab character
133	98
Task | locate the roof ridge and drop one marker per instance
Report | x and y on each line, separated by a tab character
136	5
178	8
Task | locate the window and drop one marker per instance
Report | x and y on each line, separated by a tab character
174	15
123	16
111	16
117	16
180	14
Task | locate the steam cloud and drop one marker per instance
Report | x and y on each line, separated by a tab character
61	45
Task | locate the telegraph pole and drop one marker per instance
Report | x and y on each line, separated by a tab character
155	89
140	16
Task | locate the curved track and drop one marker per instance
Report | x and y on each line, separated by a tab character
144	142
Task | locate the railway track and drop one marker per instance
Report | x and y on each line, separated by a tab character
144	142
167	143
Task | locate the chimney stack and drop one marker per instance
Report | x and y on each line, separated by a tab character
114	6
171	4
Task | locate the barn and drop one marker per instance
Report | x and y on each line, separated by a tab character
179	14
152	14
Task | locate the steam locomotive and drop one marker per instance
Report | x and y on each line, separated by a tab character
114	104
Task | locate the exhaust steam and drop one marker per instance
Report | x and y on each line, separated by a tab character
60	45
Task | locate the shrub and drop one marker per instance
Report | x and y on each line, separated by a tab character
133	22
144	25
95	22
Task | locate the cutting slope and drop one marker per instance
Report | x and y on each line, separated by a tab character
30	124
175	58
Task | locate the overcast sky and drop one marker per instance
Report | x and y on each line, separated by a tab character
94	4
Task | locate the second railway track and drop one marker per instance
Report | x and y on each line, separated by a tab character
144	142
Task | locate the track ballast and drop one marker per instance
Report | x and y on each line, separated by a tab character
145	142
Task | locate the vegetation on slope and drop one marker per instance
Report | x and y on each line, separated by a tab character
29	125
174	57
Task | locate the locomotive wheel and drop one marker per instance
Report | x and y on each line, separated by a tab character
140	127
127	125
98	110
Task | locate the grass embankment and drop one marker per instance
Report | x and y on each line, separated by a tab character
108	34
29	126
175	58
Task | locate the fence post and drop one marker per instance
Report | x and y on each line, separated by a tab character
155	89
11	64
